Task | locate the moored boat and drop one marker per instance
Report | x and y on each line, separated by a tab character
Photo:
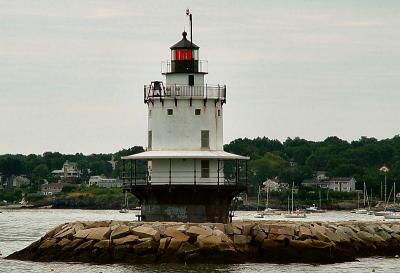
295	214
360	211
392	215
314	209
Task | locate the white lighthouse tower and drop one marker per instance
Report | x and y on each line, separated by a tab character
186	178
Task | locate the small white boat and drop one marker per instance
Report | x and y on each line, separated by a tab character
269	211
295	214
382	213
314	209
392	216
360	211
259	215
124	207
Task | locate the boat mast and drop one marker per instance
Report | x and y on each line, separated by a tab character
292	195
364	194
320	201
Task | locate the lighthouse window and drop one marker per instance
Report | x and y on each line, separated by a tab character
205	169
205	139
197	112
170	112
150	140
191	80
183	55
219	112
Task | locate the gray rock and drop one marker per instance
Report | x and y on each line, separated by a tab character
241	239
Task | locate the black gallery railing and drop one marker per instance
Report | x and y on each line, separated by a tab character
187	91
232	176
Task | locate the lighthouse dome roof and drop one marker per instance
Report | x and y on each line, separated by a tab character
184	43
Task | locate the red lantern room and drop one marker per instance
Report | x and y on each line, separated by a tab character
184	56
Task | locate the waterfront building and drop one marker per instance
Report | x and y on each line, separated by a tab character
69	170
104	182
54	188
341	184
18	181
189	177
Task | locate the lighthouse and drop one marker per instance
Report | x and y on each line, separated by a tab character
188	176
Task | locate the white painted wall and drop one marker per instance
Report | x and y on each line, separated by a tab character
182	130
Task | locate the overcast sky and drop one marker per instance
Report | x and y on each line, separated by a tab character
72	72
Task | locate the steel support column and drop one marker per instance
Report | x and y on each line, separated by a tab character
218	171
131	172
194	177
170	171
135	172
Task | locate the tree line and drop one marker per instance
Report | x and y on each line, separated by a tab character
295	160
292	160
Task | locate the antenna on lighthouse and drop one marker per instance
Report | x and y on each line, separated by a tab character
188	13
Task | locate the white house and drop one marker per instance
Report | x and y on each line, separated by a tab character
18	181
103	182
54	188
69	170
342	184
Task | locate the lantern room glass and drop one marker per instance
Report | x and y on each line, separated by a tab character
184	54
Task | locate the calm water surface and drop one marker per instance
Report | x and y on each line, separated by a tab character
19	228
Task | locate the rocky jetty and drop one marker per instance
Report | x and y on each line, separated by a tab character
262	241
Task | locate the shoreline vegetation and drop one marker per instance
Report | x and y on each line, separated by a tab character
104	198
291	161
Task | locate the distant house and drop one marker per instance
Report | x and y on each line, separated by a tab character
103	182
341	184
54	188
18	181
69	170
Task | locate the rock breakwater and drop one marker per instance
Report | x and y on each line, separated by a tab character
262	241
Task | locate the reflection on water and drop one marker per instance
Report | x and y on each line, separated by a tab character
19	228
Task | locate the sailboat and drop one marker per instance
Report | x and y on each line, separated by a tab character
124	207
393	215
268	210
292	213
258	214
358	210
385	213
314	208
